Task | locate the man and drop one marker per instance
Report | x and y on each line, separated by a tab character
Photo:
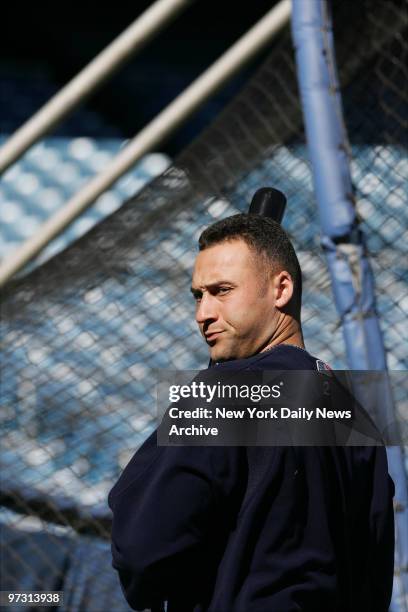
253	529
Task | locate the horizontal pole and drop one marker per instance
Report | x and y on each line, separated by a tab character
90	78
158	129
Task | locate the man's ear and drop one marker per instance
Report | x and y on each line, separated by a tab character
283	289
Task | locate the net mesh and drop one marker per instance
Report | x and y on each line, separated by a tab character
83	334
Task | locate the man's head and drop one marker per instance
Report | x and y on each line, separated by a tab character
247	286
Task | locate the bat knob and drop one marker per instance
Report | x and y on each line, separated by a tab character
268	202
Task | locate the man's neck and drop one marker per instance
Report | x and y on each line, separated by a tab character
294	338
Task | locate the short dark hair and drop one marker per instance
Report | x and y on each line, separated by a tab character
266	238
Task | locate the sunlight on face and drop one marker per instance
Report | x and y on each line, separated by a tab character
235	304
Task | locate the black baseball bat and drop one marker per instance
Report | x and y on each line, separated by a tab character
268	202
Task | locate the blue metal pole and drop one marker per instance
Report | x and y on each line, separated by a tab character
342	238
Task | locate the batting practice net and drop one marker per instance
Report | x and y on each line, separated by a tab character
84	333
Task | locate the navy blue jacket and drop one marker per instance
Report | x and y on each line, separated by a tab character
255	529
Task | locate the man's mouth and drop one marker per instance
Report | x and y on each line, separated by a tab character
211	336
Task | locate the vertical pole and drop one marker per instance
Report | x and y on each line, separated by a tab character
342	238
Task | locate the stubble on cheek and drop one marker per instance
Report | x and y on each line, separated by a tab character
222	348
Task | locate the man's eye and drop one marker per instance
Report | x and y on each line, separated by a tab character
223	289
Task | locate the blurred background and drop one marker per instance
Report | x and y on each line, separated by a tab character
85	325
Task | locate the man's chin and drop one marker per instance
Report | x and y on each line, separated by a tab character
223	349
221	355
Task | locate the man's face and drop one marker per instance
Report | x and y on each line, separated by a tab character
235	303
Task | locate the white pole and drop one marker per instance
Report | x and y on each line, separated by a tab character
95	73
167	121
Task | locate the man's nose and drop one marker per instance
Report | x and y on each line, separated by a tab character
206	309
